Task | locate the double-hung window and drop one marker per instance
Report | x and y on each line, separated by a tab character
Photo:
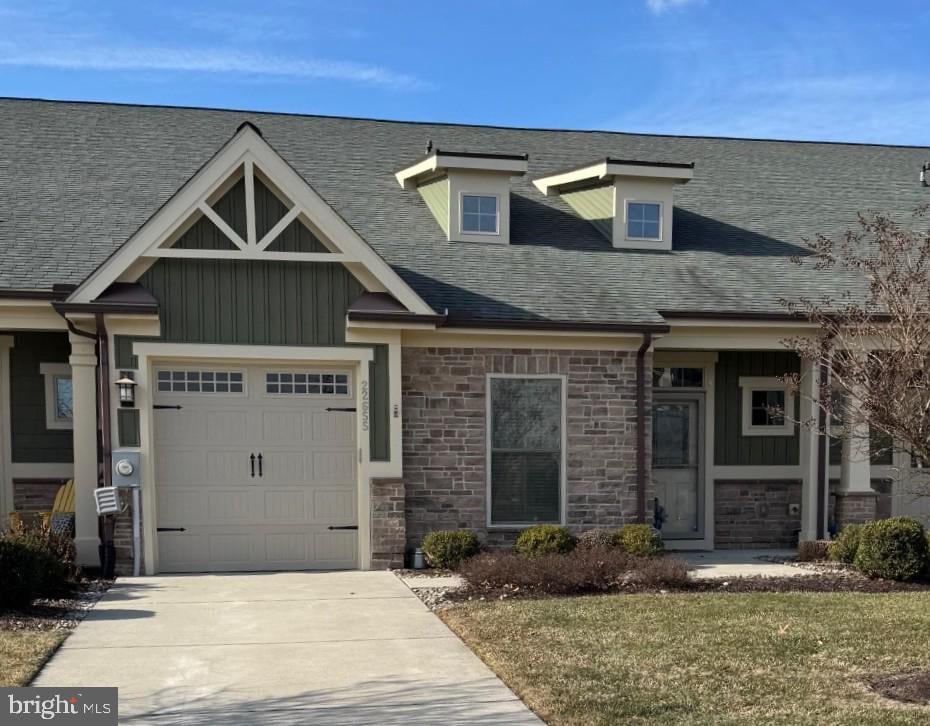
526	449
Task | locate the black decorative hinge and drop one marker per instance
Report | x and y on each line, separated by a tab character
348	410
343	526
165	405
170	529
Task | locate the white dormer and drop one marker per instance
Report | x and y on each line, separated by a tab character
629	202
468	193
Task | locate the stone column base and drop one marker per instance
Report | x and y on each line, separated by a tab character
855	507
388	524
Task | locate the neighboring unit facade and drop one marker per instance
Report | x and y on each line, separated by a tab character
339	344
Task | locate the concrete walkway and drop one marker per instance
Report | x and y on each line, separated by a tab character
279	648
723	564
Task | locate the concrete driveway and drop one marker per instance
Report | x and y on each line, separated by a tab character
279	648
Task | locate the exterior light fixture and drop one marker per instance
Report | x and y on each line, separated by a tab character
127	389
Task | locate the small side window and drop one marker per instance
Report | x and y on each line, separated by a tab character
479	214
58	395
767	407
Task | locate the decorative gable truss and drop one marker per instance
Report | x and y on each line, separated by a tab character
247	203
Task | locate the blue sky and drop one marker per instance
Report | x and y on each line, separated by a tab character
815	69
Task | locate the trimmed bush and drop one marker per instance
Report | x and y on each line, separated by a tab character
34	563
813	550
579	571
640	540
895	549
18	573
594	539
654	573
449	548
845	546
552	573
544	539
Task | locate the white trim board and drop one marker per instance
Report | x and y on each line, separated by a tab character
249	151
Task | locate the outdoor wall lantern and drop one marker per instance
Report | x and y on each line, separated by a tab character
127	389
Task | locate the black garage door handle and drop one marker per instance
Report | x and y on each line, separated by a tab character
343	526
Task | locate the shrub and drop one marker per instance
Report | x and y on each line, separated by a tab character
813	550
583	570
845	546
895	549
594	539
544	539
640	540
34	562
580	571
449	548
18	573
654	573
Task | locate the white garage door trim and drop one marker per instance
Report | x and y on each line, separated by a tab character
152	355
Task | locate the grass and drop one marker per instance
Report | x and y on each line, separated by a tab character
792	658
23	652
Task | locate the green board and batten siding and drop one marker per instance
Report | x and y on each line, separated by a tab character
731	448
32	442
436	196
596	205
257	302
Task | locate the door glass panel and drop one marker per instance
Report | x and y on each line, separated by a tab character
671	434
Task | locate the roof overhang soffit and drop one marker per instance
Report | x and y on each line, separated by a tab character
245	155
607	169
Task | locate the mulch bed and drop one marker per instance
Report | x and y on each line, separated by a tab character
910	688
59	614
845	582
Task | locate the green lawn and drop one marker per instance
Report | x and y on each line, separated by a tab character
760	658
23	652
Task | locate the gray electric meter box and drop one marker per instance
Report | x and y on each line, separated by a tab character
127	471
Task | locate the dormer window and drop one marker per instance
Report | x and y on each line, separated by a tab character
479	214
630	202
643	220
467	192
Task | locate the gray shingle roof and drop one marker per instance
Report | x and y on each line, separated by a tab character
79	179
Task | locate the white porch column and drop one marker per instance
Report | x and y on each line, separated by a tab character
811	462
855	466
83	362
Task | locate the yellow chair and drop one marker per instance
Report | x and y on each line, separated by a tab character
63	504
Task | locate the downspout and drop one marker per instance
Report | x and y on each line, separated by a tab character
103	381
822	453
641	428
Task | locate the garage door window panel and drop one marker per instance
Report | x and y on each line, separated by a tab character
295	383
201	381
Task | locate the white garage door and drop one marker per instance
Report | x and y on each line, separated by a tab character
256	469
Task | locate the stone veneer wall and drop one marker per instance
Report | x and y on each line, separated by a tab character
854	508
444	435
388	531
35	495
756	514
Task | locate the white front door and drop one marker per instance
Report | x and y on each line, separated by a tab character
677	447
255	468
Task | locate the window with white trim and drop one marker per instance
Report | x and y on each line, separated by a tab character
200	381
59	400
767	406
644	220
526	454
480	214
306	384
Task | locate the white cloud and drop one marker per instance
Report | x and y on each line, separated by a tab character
660	6
195	60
